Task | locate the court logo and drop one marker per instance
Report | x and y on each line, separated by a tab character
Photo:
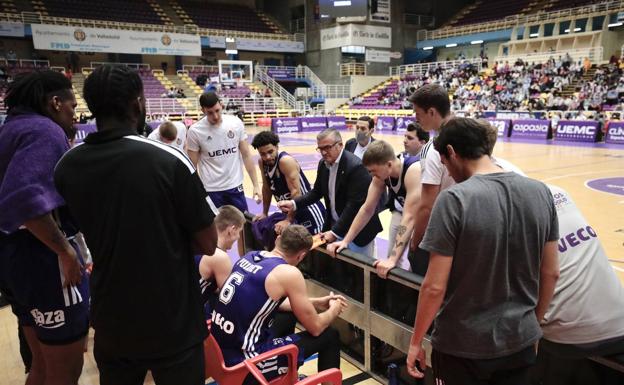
80	35
230	134
166	40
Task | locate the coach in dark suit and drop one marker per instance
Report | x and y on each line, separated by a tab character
364	128
342	181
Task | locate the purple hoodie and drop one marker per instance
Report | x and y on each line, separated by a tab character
30	147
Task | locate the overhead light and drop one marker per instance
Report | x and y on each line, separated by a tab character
476	42
535	35
618	24
345	3
230	40
451	45
427	48
231	51
324	16
577	29
566	30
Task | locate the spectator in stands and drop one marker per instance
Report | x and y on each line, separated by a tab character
586	315
139	211
267	93
180	93
282	178
38	265
432	109
364	128
468	258
401	175
69	74
268	281
342	181
11	55
217	145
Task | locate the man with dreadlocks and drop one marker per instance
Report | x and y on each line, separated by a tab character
41	272
140	206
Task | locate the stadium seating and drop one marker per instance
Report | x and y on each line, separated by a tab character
221	16
491	10
138	11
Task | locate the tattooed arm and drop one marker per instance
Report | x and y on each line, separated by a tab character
404	231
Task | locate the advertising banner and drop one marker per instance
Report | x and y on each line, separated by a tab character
385	123
283	125
403	121
502	125
356	34
615	133
337	122
313	123
82	39
577	131
375	56
245	44
8	28
530	128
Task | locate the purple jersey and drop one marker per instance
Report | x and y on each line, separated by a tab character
243	313
311	217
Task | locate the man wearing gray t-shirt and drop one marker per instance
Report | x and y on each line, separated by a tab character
493	266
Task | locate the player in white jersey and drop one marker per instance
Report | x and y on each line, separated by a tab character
586	315
171	133
432	108
218	147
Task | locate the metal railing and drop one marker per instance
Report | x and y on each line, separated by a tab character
421	68
594	54
136	66
165	105
352	69
512	21
255	104
297	25
262	75
203	68
23	62
192	29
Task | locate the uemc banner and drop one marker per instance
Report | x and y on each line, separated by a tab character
615	133
403	122
501	125
577	131
356	34
66	38
337	122
313	123
530	128
282	125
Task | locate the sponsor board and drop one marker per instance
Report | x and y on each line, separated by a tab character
615	133
313	123
577	131
501	125
403	122
83	39
385	123
283	125
530	128
337	122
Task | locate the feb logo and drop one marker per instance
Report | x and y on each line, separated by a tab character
166	40
230	134
80	35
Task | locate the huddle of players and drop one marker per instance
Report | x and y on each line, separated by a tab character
415	180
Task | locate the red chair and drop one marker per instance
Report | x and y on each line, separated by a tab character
234	375
330	375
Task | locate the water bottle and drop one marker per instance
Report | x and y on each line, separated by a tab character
393	374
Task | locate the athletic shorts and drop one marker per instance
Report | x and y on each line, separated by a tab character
234	196
30	276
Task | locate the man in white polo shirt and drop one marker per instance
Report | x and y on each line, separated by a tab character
218	147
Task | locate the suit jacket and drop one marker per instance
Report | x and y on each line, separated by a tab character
352	144
352	181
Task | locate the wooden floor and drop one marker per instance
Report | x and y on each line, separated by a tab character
569	167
